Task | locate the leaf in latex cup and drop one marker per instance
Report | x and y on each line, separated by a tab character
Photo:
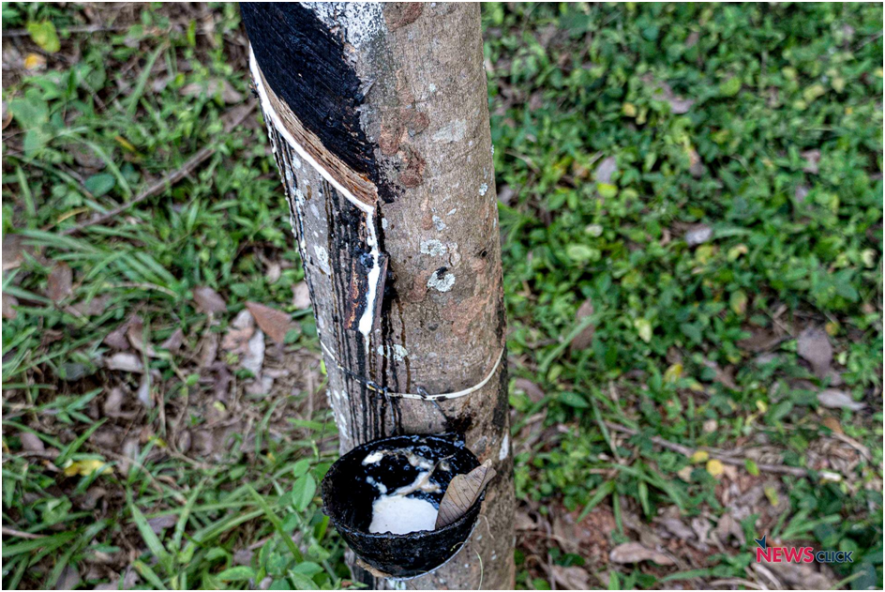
462	493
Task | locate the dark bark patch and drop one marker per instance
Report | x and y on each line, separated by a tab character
502	404
414	173
399	14
306	65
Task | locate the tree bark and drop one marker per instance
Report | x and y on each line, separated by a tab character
378	118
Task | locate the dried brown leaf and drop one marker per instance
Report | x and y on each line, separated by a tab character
836	399
113	404
571	578
125	361
462	493
9	302
160	523
275	323
208	300
7	115
273	273
698	235
812	160
813	345
60	282
254	354
585	337
135	334
208	349
605	170
92	307
240	332
69	578
696	167
833	424
663	92
301	296
524	521
534	392
173	342
636	553
30	442
117	338
13	252
228	93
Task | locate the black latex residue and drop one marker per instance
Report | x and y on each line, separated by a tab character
305	65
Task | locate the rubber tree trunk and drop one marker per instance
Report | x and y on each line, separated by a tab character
378	117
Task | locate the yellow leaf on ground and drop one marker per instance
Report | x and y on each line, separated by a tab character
771	494
673	373
714	467
34	61
86	467
643	327
700	456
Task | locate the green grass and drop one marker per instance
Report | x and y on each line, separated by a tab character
675	348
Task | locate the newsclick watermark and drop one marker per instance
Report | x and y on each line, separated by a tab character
767	554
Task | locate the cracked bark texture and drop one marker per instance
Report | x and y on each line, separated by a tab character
378	117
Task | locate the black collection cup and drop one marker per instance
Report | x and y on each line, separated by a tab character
348	494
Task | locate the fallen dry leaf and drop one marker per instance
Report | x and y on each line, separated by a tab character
678	528
135	334
59	283
144	391
728	527
698	235
117	338
605	170
524	521
93	306
125	361
696	168
160	523
9	302
571	578
462	493
275	323
663	92
35	61
113	404
534	392
173	342
813	345
301	296
13	251
208	300
7	115
812	159
833	424
87	467
273	273
637	552
240	332
69	578
30	442
228	93
715	467
836	399
254	355
585	337
208	349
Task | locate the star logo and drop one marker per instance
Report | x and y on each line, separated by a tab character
761	542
